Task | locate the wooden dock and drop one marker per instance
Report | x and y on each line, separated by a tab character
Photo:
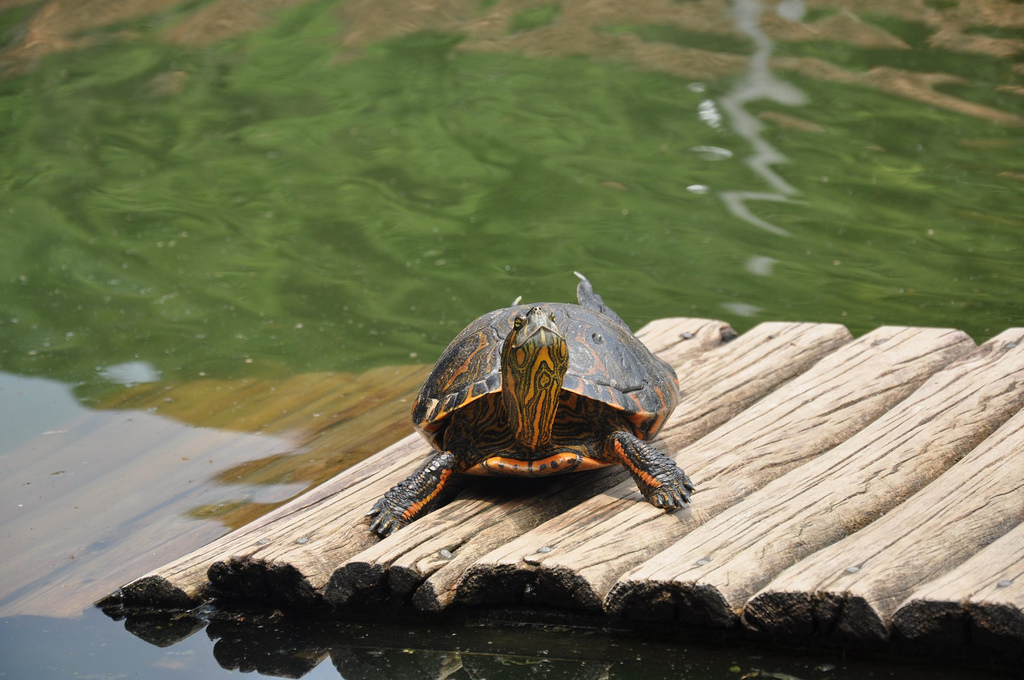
858	491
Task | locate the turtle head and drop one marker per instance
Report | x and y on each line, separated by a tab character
534	360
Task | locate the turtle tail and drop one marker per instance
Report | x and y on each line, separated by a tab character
592	301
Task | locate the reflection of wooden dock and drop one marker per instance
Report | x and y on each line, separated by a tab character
857	490
162	468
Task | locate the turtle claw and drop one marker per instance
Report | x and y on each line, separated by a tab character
387	516
657	476
674	493
412	497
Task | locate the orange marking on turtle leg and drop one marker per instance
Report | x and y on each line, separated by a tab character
647	477
415	508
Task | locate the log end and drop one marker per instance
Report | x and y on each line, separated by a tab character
155	592
998	626
780	613
689	603
437	591
642	601
933	623
856	620
429	598
798	614
702	604
155	610
564	588
982	630
404	580
269	583
489	584
356	583
492	584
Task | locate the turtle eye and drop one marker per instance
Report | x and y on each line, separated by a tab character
519	322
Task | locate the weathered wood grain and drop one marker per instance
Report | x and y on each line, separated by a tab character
680	338
980	602
852	588
288	555
714	571
717	384
574	559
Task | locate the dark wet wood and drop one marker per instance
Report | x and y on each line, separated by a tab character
576	559
429	562
980	602
714	571
852	588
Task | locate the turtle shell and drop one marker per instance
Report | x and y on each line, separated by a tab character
607	363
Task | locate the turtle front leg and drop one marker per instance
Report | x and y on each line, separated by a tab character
660	480
412	497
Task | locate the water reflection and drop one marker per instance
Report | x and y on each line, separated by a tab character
130	373
759	83
760	265
488	646
90	498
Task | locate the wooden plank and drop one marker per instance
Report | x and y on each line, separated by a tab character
431	560
574	559
288	555
852	588
981	602
678	339
713	572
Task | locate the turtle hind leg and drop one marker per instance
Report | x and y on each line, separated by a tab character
586	296
412	497
660	480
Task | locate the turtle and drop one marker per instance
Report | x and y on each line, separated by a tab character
536	390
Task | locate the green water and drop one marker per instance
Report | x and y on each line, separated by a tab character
271	205
311	214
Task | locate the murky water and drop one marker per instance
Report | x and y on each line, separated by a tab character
95	647
210	211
